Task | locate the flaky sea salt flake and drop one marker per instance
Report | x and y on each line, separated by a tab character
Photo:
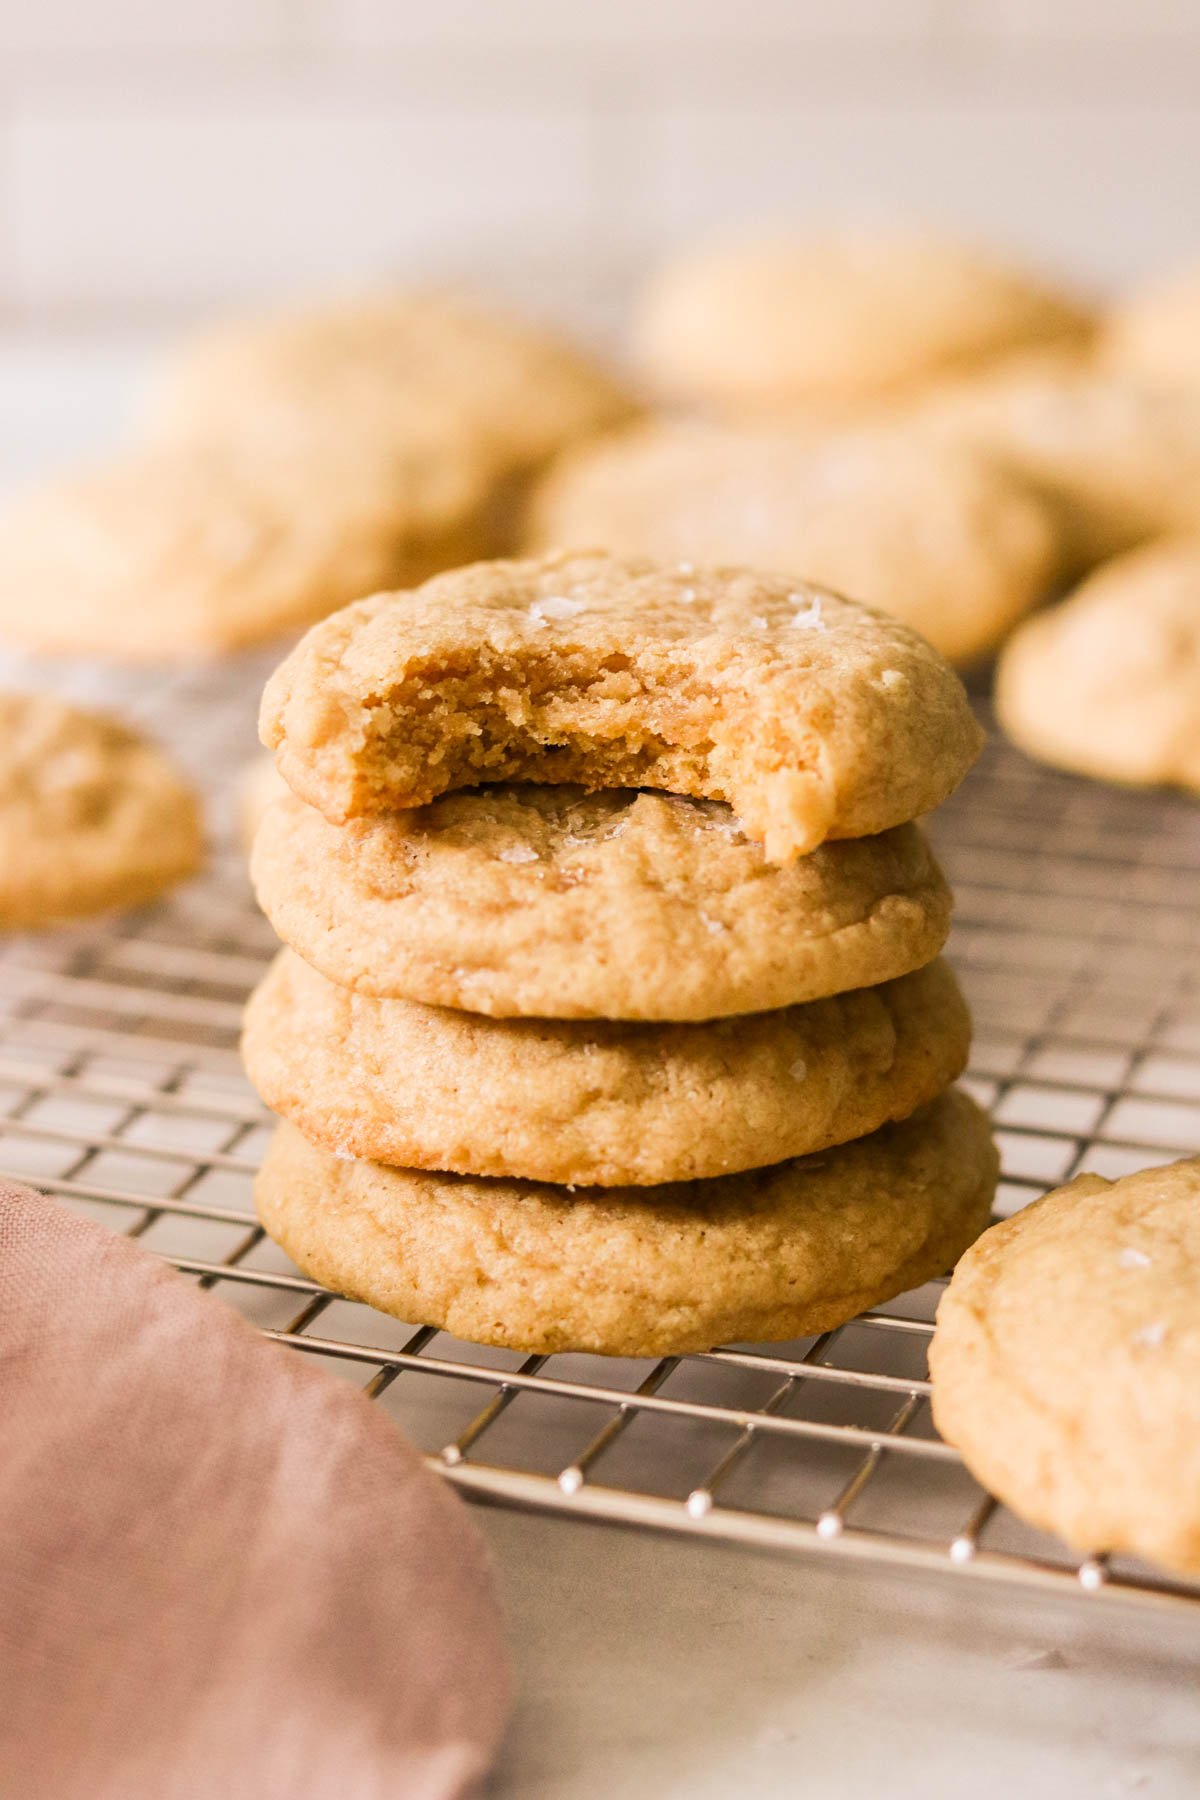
555	606
1150	1337
810	619
1129	1258
518	853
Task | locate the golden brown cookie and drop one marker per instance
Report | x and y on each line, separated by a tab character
259	786
1108	683
811	716
91	815
189	551
778	1253
596	1103
936	534
1119	460
798	320
1154	333
1066	1364
378	365
554	903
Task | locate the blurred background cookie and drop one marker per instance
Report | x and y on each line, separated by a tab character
938	534
804	320
1153	332
1108	683
190	550
1119	459
92	817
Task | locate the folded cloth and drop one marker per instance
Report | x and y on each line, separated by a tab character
222	1572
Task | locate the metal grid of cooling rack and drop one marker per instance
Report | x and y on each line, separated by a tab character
1078	943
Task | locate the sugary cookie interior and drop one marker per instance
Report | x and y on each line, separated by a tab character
811	716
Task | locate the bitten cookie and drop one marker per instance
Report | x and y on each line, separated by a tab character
371	366
597	1104
189	551
91	815
798	321
554	903
935	534
1154	333
1066	1364
778	1253
1109	683
812	717
1120	461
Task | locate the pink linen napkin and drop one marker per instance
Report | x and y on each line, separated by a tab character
222	1572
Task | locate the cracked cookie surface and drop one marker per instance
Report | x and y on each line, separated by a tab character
1066	1363
550	902
777	1253
596	1103
92	816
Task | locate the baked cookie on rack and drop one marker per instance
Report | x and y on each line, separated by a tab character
811	716
936	534
1108	683
1153	334
1118	459
555	903
192	551
1066	1364
822	323
369	368
92	817
596	1103
776	1253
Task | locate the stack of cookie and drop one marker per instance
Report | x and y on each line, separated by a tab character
610	1017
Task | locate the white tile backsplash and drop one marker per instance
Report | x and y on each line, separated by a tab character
159	154
168	207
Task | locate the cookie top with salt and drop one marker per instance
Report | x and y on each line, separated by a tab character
1066	1363
811	716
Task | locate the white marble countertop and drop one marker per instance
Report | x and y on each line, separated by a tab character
651	1666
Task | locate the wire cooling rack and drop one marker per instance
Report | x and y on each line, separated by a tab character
1078	943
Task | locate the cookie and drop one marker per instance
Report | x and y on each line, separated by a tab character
1066	1364
774	1254
259	786
1108	683
92	816
801	321
935	534
188	551
811	716
369	366
596	1103
1154	334
554	903
1120	461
